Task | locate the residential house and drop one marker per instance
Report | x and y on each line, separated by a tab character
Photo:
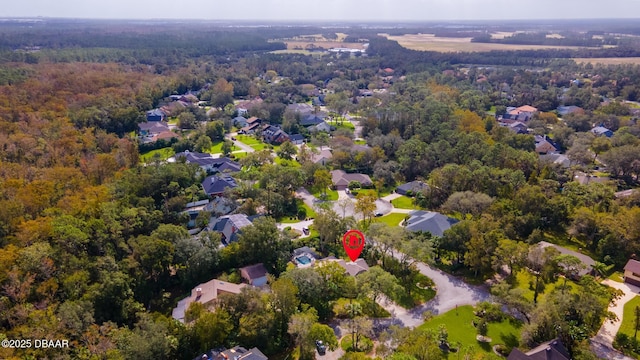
249	128
208	163
153	131
429	221
411	188
255	275
311	120
148	129
323	126
274	135
239	121
322	158
565	110
252	125
236	353
342	179
587	262
220	206
301	108
193	209
318	100
632	272
602	131
584	178
558	159
522	113
215	185
243	107
156	115
230	226
296	139
518	127
205	294
624	193
550	350
544	145
352	268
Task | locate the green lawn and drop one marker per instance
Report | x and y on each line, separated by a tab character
404	202
371	192
292	163
216	148
161	154
342	124
360	142
173	120
238	155
460	328
616	276
526	282
392	219
628	317
332	195
249	140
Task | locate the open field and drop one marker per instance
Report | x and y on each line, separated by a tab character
609	61
301	45
429	42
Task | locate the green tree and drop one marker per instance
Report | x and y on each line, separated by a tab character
570	267
376	282
212	329
300	326
186	120
287	150
227	147
322	180
365	205
512	254
215	130
263	242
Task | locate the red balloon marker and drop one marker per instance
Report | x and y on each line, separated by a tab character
353	242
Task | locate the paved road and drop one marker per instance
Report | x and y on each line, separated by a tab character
601	344
241	145
296	226
357	132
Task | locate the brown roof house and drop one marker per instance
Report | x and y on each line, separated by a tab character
341	179
352	268
632	272
205	294
255	275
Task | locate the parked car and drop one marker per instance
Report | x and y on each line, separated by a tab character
321	347
305	230
378	214
233	138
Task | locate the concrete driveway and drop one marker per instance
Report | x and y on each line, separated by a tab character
602	343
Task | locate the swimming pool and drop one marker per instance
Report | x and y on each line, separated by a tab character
303	260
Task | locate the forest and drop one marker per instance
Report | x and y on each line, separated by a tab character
95	246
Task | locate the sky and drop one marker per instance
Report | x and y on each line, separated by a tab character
339	10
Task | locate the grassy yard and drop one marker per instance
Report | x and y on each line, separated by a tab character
628	316
370	192
249	140
616	276
404	202
332	195
217	148
292	163
342	124
526	282
460	328
392	219
238	155
160	154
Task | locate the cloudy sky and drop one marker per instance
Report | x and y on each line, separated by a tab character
386	10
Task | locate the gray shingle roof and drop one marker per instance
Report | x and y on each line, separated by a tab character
430	221
215	184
